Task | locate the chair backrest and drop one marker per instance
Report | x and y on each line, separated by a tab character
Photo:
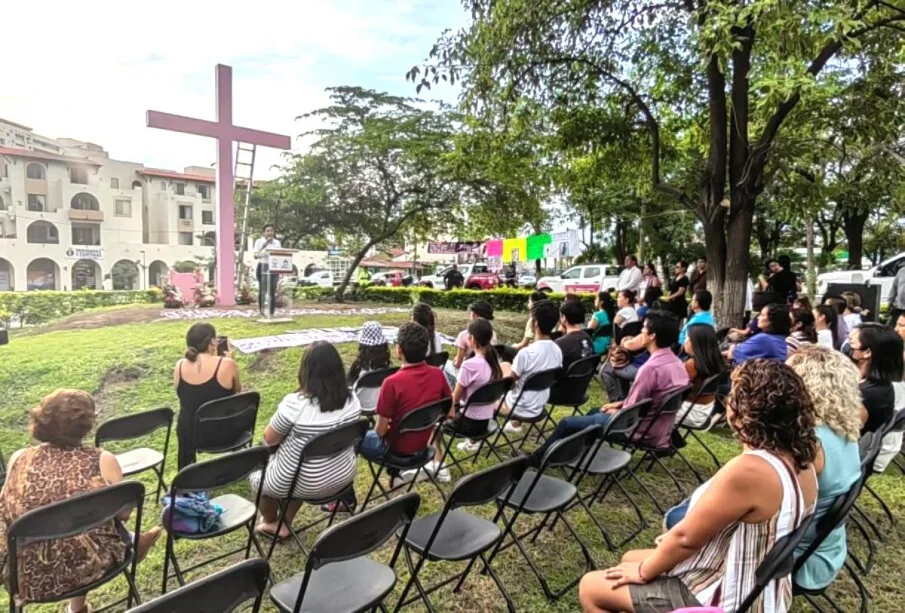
484	486
710	387
870	446
375	378
542	380
670	405
363	533
133	426
601	331
219	424
630	329
221	471
222	592
422	418
722	333
573	383
490	392
335	440
437	359
624	422
834	517
71	516
570	449
779	562
897	424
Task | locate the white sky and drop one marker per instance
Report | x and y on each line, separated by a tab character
90	70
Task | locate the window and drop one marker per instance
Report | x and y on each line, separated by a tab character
205	192
591	272
35	171
207	217
180	189
480	268
36	202
86	235
124	208
85	202
572	273
185	238
163	185
78	175
185	211
43	233
114	183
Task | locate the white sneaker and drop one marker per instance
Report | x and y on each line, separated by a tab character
468	445
512	429
441	475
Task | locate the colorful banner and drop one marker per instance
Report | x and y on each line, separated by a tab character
563	245
515	249
495	248
454	247
536	244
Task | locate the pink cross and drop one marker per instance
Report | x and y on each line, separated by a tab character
225	133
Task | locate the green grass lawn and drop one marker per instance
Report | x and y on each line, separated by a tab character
129	368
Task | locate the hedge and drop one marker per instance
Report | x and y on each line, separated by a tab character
504	299
30	308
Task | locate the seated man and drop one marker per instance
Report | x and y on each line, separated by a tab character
700	308
543	354
575	343
415	384
661	375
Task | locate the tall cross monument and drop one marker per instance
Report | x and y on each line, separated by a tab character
225	132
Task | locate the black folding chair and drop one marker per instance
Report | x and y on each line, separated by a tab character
238	512
834	517
539	493
778	563
226	424
338	576
896	425
602	332
571	389
134	426
70	517
684	429
322	446
438	360
721	335
489	393
454	536
426	418
613	464
630	329
223	592
373	380
870	446
537	382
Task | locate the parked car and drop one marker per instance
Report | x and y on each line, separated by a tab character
393	278
477	276
881	275
529	281
584	278
437	280
323	278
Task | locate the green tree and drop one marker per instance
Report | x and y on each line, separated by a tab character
722	77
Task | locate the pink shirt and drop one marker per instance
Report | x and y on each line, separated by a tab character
662	374
474	373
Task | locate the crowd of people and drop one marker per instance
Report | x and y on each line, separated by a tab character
802	384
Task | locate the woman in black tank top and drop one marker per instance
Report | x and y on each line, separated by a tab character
202	341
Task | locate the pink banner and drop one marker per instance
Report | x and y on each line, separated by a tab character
494	248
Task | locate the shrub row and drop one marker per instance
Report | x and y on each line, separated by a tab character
30	308
504	299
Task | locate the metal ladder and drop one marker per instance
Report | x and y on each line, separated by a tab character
247	166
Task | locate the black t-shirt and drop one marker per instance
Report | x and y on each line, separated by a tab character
784	282
879	399
574	346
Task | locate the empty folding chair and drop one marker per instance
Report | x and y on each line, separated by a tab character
368	386
452	535
320	447
223	592
489	393
226	424
238	512
428	417
134	426
438	359
686	427
539	493
537	382
339	577
73	516
571	390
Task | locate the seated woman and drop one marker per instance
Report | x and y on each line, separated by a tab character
825	326
59	467
775	324
704	361
877	351
322	402
373	354
201	376
832	382
600	327
734	519
626	314
423	314
803	330
480	309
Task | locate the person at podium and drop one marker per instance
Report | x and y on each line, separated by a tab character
262	273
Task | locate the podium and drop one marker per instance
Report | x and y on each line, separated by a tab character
275	264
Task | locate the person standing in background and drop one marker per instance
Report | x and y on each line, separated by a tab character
267	283
630	278
897	296
698	277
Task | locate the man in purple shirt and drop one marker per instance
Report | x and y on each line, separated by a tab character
662	374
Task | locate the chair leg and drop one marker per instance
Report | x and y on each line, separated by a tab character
883	505
374	483
134	597
166	563
414	569
647	491
873	525
694	471
509	604
862	589
706	448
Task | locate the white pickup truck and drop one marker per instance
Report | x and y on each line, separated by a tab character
578	279
881	275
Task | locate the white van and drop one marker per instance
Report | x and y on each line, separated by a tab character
584	278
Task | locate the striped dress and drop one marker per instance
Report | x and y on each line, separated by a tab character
298	419
722	573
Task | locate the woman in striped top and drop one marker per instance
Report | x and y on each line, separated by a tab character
709	558
322	402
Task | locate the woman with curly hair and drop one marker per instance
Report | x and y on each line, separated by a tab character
833	383
735	518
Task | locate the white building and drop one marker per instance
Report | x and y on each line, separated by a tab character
72	218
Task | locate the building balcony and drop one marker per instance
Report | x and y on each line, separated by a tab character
36	186
86	215
185	225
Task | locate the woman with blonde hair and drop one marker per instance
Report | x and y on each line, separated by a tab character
833	383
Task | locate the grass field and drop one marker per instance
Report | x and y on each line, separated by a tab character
128	368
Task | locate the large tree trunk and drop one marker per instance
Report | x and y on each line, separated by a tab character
735	288
341	289
853	226
620	243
